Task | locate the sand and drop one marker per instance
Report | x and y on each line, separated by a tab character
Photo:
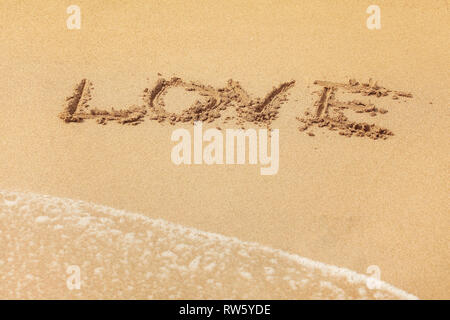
329	111
209	109
121	255
349	202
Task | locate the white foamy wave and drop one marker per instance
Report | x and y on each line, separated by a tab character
122	255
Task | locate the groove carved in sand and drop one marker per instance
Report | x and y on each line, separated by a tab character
233	103
231	100
329	111
76	104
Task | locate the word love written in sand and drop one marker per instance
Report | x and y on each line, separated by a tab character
233	104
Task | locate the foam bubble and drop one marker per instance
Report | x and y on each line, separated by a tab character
122	255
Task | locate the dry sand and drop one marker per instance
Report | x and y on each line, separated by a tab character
346	202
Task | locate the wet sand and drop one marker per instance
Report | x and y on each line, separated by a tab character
350	202
78	250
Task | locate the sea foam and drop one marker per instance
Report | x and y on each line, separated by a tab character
122	255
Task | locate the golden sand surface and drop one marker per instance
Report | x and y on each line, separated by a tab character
350	202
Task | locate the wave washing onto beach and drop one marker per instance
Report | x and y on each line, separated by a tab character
122	255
